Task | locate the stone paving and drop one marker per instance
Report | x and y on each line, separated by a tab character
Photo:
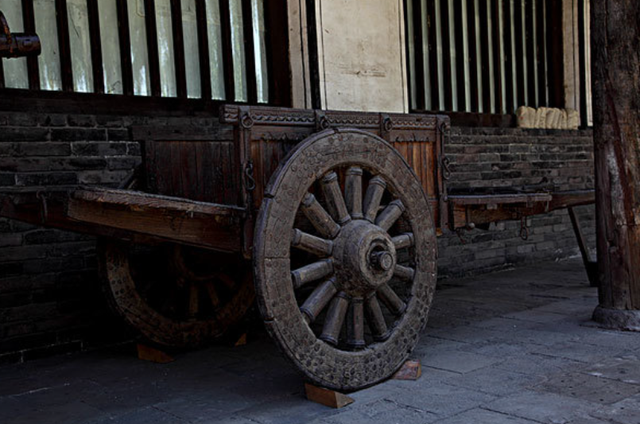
513	347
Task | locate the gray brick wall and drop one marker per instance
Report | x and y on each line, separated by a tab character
50	298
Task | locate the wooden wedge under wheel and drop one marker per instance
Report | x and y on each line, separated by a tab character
345	258
176	295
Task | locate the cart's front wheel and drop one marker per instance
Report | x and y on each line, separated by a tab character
345	259
176	295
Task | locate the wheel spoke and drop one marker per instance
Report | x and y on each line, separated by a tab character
403	240
335	318
334	199
213	294
353	192
375	318
355	324
226	280
312	244
194	300
391	300
390	215
311	272
318	300
319	217
403	272
372	197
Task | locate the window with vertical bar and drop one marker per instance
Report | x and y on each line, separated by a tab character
486	56
193	49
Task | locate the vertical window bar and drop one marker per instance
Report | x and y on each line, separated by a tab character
111	67
586	40
249	51
554	45
424	48
475	56
237	44
448	45
203	49
79	41
260	49
541	52
532	35
214	39
227	50
440	55
500	55
28	17
152	46
124	38
96	46
418	66
463	32
64	45
509	56
523	77
192	58
485	31
434	51
489	47
178	48
411	54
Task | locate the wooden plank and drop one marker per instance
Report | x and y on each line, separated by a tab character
152	46
195	223
124	38
96	46
64	46
28	18
178	48
203	49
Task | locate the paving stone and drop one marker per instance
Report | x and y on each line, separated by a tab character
442	399
534	315
482	416
588	387
576	351
495	381
72	412
626	411
543	407
147	415
457	361
535	364
625	369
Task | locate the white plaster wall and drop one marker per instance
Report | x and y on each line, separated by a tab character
362	55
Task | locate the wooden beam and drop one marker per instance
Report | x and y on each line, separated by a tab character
195	223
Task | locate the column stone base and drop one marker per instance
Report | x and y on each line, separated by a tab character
617	319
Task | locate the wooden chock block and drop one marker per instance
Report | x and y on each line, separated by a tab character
326	397
410	370
148	353
241	341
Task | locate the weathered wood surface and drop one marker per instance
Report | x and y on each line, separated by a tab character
327	397
616	62
179	220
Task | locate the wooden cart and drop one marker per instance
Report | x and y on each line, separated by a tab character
339	213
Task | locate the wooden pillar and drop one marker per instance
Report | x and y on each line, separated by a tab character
615	42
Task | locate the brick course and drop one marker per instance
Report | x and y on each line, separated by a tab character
50	299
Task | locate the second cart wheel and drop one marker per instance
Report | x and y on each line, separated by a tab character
174	295
345	259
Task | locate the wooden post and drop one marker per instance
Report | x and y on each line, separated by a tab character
615	26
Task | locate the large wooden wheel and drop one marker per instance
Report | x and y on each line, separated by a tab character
175	295
345	259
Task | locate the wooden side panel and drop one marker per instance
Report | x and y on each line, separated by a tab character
196	163
196	170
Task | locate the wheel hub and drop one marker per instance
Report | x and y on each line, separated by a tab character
364	258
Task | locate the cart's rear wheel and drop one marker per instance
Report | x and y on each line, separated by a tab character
345	259
175	295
